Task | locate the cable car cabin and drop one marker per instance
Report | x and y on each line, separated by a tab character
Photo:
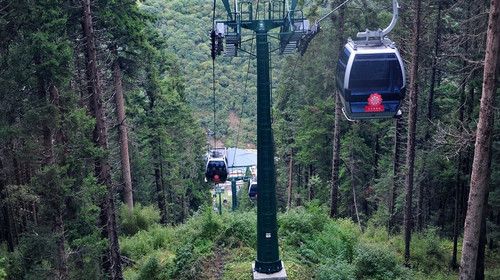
252	190
371	79
217	169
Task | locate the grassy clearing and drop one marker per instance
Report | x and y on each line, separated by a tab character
312	246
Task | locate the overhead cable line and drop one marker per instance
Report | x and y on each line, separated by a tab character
315	29
332	11
213	54
244	100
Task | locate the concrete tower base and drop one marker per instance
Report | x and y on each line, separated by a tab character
280	275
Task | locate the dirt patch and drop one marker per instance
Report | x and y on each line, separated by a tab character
216	268
234	121
212	143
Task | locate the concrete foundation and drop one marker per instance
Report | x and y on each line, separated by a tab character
280	275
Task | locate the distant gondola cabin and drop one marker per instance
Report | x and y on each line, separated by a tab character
252	190
217	167
371	79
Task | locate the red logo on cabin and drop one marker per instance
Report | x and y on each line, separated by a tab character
374	103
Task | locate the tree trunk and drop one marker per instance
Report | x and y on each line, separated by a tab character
353	186
482	243
420	213
336	134
112	262
160	195
459	171
49	159
62	259
309	185
290	179
7	212
412	123
335	160
480	178
128	196
437	40
458	178
395	173
376	157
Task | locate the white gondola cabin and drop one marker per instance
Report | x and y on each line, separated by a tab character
216	168
371	79
252	190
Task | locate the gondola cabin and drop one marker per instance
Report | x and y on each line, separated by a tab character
371	79
252	190
217	168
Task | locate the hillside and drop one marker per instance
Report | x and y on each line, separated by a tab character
312	246
186	26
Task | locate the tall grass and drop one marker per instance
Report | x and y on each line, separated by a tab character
312	246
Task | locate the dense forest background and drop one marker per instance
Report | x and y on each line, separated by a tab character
105	108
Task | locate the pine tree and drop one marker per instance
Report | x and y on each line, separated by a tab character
480	178
112	262
412	122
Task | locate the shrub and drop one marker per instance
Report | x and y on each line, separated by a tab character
191	262
137	219
3	274
377	262
210	225
150	269
144	242
32	258
336	270
377	234
299	225
137	246
337	240
428	253
239	229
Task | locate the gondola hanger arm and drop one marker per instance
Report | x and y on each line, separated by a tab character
228	8
381	33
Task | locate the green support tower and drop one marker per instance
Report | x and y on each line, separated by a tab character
260	19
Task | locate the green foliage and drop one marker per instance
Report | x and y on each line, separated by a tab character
298	225
210	225
492	274
239	230
3	274
151	269
244	202
430	255
373	233
313	246
90	245
169	141
429	251
337	240
184	25
137	219
378	262
144	242
191	261
33	258
338	269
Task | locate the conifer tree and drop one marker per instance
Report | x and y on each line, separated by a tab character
112	261
412	123
480	178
